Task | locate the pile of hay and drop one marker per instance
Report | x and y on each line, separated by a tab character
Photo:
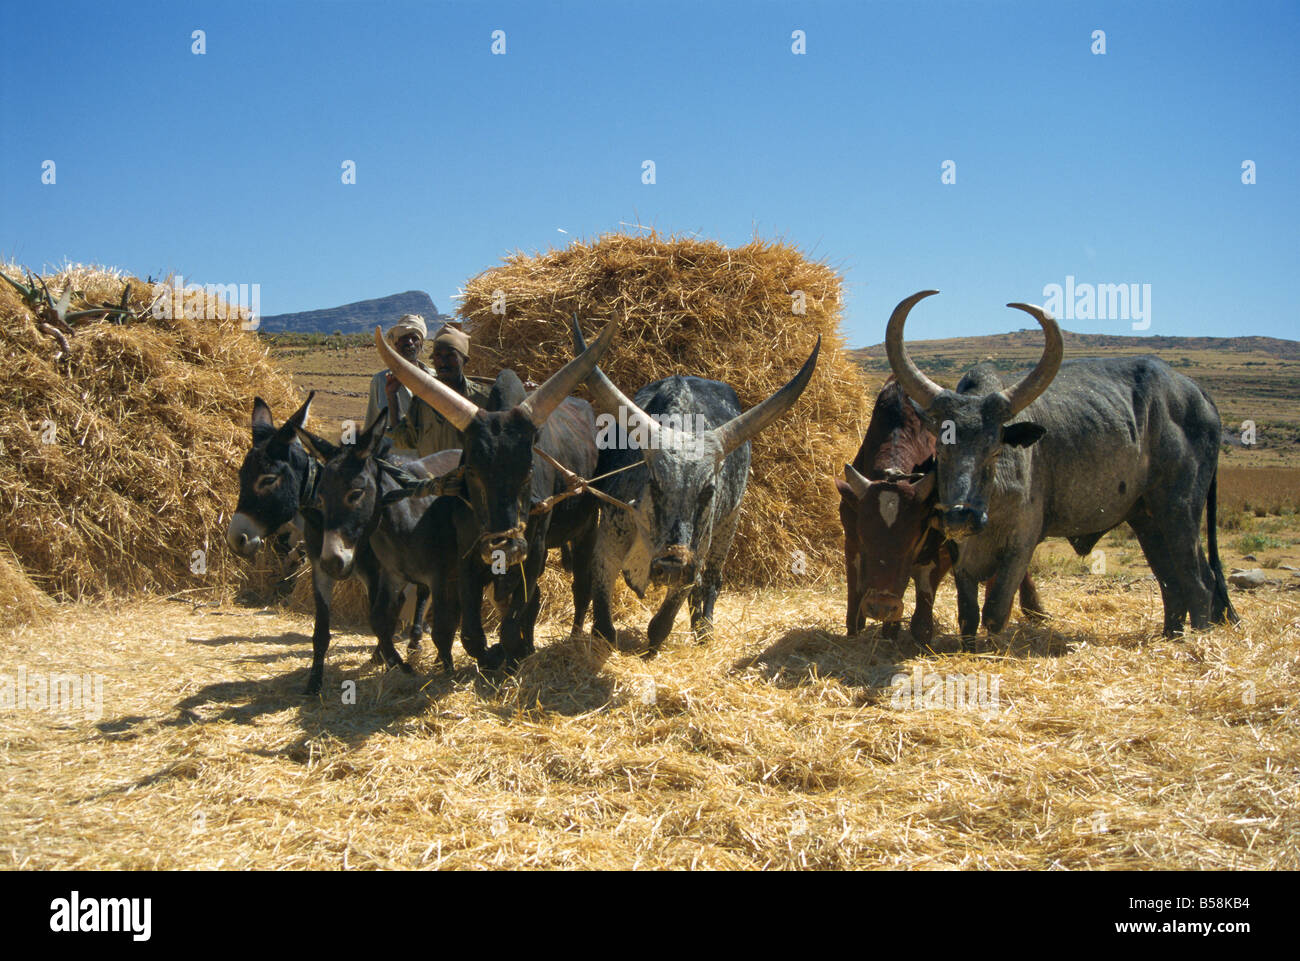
21	601
697	307
122	460
779	744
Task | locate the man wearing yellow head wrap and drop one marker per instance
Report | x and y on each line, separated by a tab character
422	427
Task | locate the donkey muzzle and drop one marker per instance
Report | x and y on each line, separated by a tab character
244	536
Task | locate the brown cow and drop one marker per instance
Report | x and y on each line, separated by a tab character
887	506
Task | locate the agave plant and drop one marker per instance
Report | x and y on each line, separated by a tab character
56	318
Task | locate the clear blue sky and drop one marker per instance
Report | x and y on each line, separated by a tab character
225	167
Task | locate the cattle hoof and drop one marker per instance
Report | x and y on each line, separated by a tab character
313	687
492	659
377	655
649	653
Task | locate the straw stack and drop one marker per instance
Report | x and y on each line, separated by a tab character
748	316
121	460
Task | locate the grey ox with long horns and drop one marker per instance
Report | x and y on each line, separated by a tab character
682	467
1072	449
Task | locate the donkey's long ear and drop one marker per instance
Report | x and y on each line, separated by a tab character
318	447
261	415
298	419
369	440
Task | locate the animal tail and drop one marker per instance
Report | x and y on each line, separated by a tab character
1221	597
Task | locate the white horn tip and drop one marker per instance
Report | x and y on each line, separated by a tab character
1033	309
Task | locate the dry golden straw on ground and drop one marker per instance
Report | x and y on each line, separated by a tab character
351	603
777	745
122	462
696	307
20	599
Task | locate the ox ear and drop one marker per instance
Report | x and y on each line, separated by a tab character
931	424
261	414
318	447
1023	434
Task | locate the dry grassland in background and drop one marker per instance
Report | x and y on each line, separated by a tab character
774	746
150	422
1259	490
696	307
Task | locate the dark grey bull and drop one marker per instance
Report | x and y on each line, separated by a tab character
364	511
499	534
683	472
278	490
1072	449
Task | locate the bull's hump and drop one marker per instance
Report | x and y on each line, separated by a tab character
690	395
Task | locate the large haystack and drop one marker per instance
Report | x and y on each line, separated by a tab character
696	307
121	460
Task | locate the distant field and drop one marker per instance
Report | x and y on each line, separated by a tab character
1253	381
1259	490
340	375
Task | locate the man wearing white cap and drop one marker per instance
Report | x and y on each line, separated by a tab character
407	337
422	427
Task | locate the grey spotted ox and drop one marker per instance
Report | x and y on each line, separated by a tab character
888	503
682	468
1072	449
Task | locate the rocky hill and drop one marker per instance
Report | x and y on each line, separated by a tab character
360	317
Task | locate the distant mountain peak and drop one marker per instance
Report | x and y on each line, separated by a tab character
358	317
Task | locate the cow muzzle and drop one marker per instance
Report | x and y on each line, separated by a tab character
505	548
881	606
963	520
244	536
674	566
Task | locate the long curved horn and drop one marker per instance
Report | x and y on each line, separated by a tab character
538	405
919	387
1040	378
610	398
740	429
460	411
